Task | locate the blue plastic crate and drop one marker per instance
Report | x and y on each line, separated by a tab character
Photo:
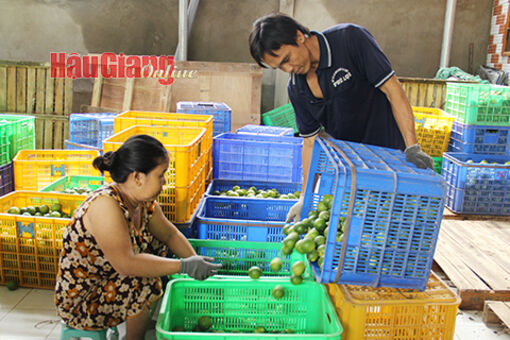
90	128
257	158
221	112
475	188
227	184
242	219
393	214
468	138
266	130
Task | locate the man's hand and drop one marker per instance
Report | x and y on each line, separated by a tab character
415	155
295	211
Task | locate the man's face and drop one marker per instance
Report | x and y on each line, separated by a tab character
291	58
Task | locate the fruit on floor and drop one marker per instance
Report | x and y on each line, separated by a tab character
12	285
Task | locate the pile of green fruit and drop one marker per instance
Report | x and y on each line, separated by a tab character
204	324
253	192
76	191
314	231
55	210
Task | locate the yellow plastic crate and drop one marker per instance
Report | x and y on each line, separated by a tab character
185	178
30	245
433	127
131	118
35	169
389	313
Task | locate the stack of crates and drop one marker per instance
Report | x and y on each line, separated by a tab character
17	132
477	167
188	138
266	130
222	113
251	163
433	127
88	130
392	212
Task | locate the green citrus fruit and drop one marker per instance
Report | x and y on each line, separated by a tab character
286	250
319	240
255	272
288	331
308	245
296	279
23	210
299	247
321	250
320	261
31	210
324	215
286	229
322	207
44	209
298	268
278	292
313	214
55	214
12	285
312	233
289	242
259	329
300	228
56	207
293	235
14	211
319	224
313	256
328	200
204	323
276	264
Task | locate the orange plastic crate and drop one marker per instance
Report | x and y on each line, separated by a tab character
35	169
131	118
433	127
389	313
185	178
30	245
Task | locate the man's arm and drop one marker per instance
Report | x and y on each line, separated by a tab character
401	108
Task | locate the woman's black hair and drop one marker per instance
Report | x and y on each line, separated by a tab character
140	153
272	31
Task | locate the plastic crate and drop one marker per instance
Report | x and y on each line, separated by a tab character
433	127
90	128
185	178
30	245
226	184
479	104
237	257
493	140
239	306
438	164
69	182
266	130
396	313
257	158
393	214
76	146
35	169
17	132
474	188
281	116
6	178
241	219
221	112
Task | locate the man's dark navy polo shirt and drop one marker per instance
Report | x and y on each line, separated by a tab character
351	68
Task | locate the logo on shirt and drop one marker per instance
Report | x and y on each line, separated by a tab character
341	74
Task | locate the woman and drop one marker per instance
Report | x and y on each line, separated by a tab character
114	247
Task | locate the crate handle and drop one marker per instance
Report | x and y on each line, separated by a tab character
25	229
206	104
421	122
61	169
491	131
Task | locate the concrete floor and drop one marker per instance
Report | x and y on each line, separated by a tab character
29	314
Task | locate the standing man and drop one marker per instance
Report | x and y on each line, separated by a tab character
340	81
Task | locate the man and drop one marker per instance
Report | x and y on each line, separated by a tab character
340	81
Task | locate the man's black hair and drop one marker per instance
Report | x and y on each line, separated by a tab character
272	31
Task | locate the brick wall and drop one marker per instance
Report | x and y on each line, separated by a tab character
498	25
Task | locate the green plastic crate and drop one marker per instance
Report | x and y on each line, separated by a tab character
242	305
68	182
438	164
237	257
478	104
281	116
17	132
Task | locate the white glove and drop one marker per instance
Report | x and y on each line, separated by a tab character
295	211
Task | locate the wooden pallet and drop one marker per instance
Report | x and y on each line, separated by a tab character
496	313
450	215
474	256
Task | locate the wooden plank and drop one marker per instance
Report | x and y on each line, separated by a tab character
49	94
21	89
48	134
496	312
68	94
128	94
96	109
3	89
40	90
11	89
97	90
59	96
39	132
58	134
30	98
473	299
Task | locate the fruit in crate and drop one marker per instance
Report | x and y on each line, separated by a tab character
204	323
76	191
253	192
40	211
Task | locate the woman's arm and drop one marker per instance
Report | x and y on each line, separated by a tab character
166	232
105	221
